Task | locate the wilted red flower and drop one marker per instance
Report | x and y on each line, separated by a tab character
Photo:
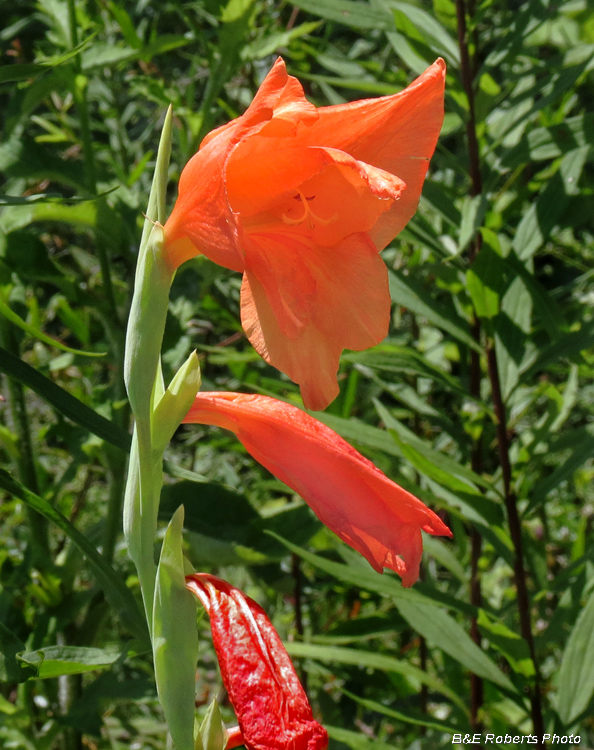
300	200
271	706
347	492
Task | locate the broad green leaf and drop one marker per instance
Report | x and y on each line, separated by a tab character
569	346
265	46
360	14
575	686
392	358
175	638
63	401
443	631
371	660
405	291
473	214
486	280
513	647
422	614
539	220
407	717
116	592
54	661
437	38
580	443
512	327
407	439
355	740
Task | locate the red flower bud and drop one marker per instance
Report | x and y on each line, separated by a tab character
271	706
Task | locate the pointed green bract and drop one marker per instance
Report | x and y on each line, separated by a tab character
175	641
175	402
212	734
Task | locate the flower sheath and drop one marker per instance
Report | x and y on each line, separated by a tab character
301	200
347	492
271	706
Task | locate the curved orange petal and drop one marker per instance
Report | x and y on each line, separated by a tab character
299	313
271	706
202	220
396	133
347	492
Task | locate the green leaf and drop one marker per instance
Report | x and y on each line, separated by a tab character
228	530
443	631
580	444
63	401
405	291
32	331
407	439
408	717
10	668
355	740
434	34
486	281
54	661
370	660
544	214
116	592
513	647
359	15
175	639
421	613
576	673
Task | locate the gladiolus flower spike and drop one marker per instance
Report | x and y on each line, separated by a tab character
347	492
270	704
301	200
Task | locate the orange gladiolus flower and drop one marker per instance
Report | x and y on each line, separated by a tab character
301	200
271	706
347	492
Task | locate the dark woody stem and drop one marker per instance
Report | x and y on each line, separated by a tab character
515	528
500	414
476	683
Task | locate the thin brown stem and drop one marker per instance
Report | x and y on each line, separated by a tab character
476	682
466	71
515	528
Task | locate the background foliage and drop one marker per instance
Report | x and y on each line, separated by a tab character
480	400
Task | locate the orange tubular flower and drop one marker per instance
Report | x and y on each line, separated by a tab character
271	706
301	200
347	492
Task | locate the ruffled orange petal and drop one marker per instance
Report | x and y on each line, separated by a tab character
202	220
300	312
347	492
395	133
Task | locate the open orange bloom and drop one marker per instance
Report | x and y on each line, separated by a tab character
347	492
301	200
270	704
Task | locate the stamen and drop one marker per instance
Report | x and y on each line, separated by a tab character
308	214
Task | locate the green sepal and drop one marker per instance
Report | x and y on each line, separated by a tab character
212	734
175	402
175	640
